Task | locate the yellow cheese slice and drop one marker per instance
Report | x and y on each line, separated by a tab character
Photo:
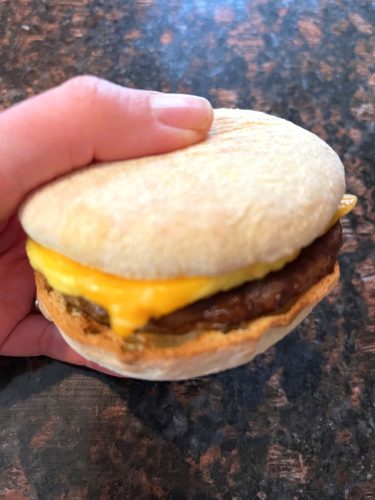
347	203
131	303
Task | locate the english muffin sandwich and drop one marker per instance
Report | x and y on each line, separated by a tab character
191	262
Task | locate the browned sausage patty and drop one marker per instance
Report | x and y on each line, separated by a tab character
225	311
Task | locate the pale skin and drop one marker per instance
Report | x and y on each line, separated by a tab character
85	120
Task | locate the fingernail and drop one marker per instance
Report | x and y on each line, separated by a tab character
182	111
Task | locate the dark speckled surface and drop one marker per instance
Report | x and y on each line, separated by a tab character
298	422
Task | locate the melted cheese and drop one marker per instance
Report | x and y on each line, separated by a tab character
131	303
346	205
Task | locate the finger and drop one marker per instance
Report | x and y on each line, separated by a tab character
88	119
35	336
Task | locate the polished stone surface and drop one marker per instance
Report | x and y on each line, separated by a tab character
298	422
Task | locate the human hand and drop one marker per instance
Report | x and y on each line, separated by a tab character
84	120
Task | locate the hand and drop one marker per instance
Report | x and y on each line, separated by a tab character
84	120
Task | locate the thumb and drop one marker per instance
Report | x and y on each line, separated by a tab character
88	119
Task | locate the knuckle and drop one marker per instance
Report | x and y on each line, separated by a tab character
84	88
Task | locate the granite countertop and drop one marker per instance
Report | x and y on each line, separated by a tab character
298	422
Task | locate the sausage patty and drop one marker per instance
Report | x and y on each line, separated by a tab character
225	311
